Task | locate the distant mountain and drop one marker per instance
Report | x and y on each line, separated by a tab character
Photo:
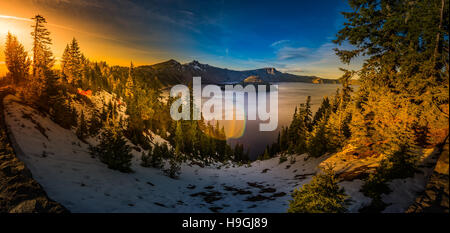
172	72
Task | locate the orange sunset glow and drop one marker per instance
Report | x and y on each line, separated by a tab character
99	43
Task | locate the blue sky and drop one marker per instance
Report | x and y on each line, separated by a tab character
292	36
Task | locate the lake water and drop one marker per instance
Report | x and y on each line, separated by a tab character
290	95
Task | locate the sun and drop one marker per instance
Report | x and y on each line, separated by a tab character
18	26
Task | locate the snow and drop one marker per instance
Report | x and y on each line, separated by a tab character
81	183
61	163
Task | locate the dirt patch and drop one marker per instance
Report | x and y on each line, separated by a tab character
209	196
258	198
256	185
236	191
280	194
159	204
303	176
215	209
268	190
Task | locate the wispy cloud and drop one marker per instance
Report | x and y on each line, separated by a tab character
276	43
291	53
293	70
321	61
14	18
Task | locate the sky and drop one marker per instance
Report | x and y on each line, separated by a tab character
291	36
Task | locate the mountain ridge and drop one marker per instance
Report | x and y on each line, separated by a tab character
172	72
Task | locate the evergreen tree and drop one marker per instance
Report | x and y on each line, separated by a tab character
65	60
308	114
179	141
72	61
82	130
42	58
94	124
323	111
298	130
113	149
16	59
173	171
129	86
338	123
318	141
62	112
42	55
153	158
321	195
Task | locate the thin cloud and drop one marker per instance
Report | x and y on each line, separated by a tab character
290	53
14	18
276	43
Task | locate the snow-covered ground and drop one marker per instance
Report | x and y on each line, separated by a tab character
61	163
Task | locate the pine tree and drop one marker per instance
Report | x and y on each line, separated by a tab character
194	135
129	86
298	130
16	59
82	130
308	114
42	55
62	112
338	123
173	171
266	154
42	58
323	111
113	149
321	195
65	60
94	124
179	141
318	141
72	61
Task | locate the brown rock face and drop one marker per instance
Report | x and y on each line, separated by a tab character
19	192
